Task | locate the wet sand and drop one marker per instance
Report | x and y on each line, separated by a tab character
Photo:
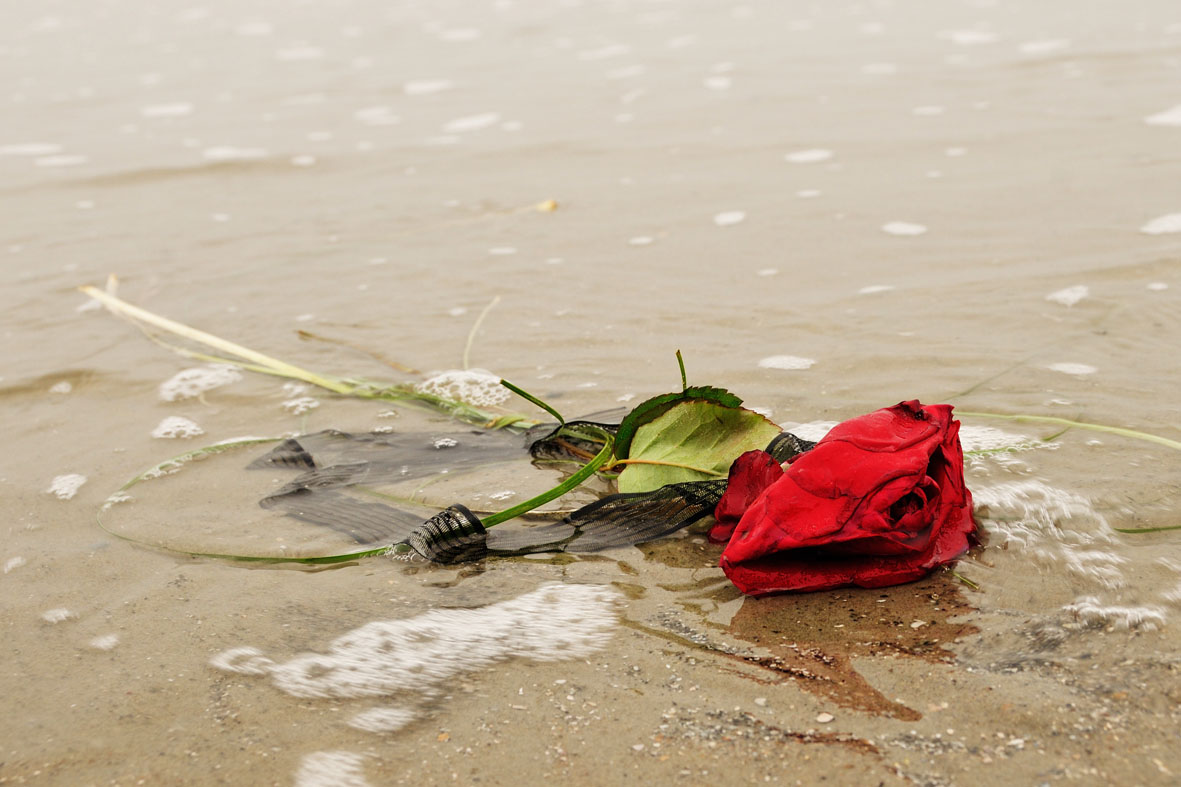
971	202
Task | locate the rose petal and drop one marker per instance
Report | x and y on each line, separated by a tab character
750	474
880	500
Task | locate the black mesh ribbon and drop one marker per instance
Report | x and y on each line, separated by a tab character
454	535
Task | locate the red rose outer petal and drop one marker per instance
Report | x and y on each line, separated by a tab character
750	474
832	495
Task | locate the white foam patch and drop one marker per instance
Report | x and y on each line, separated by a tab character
63	160
1163	225
389	719
293	54
641	240
377	116
1069	296
1169	117
788	362
57	615
1044	46
414	658
987	438
105	642
331	769
64	387
177	426
231	153
812	430
968	37
1072	368
717	82
173	110
729	218
1057	529
903	228
424	87
475	386
471	123
30	149
875	288
1158	286
809	156
1090	611
13	563
195	381
300	405
66	486
457	35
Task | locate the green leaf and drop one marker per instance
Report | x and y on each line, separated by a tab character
653	408
697	433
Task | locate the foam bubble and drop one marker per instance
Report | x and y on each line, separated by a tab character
1170	117
66	486
300	405
809	156
30	149
475	386
460	34
1157	286
231	153
377	116
1090	611
299	53
789	362
641	240
331	769
57	615
175	426
389	719
903	228
173	110
968	37
195	381
729	218
423	87
1069	296
1073	368
717	82
63	387
604	52
105	642
62	160
471	123
1044	46
875	288
1163	225
13	563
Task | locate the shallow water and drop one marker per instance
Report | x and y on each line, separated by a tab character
828	208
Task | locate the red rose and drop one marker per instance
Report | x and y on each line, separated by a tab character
879	501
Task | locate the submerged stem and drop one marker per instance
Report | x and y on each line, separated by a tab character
585	472
1046	419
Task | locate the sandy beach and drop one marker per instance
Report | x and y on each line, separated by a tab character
827	208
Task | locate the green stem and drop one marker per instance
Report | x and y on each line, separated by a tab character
585	472
1046	419
531	398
